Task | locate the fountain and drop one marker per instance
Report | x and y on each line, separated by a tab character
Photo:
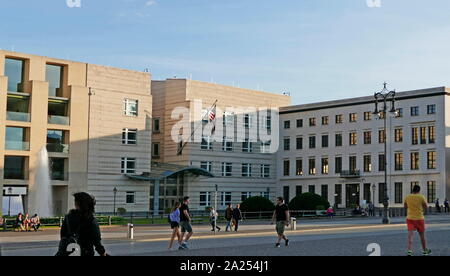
41	192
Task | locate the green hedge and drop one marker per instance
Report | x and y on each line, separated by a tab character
308	202
257	204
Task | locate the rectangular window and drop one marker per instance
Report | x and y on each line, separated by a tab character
17	138
54	76
325	166
398	135
367	137
265	171
206	165
324	141
312	166
415	111
58	168
431	160
287	124
353	136
338	194
399	113
299	143
431	109
398	192
381	136
286	194
227	169
312	122
14	70
248	121
156	125
128	165
205	199
367	195
381	192
265	147
415	136
130	107
381	163
367	116
156	150
246	170
339	119
129	136
225	198
338	165
352	163
14	167
431	135
130	198
312	142
431	191
423	135
247	146
414	161
298	190
286	167
324	191
367	163
353	117
338	140
299	167
398	161
299	123
287	144
312	189
227	145
325	120
206	143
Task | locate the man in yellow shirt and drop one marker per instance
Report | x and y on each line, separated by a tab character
415	204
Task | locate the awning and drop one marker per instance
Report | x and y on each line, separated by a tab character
162	171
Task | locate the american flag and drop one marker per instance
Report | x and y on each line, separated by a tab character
212	117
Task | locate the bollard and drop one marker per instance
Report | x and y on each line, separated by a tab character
293	224
130	231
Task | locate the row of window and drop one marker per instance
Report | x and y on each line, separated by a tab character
225	198
419	135
246	169
228	145
367	163
368	192
353	117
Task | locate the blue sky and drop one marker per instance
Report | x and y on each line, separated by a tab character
315	49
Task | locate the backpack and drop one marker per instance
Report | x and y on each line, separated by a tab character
69	243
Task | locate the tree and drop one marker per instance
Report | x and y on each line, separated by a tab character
308	201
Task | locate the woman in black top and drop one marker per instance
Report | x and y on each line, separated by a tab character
237	216
81	227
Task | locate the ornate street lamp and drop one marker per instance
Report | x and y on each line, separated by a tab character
115	193
384	97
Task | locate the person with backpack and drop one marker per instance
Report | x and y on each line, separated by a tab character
174	220
237	216
80	229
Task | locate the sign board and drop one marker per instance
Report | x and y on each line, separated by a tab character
14	191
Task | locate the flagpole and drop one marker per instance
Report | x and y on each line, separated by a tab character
195	130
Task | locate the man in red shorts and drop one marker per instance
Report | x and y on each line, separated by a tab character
415	204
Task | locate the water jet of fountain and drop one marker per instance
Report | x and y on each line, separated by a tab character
41	191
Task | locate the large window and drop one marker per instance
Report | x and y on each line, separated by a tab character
431	109
130	198
352	164
423	135
367	116
206	165
206	143
398	156
339	119
247	146
353	117
57	141
299	123
324	141
17	138
398	135
414	161
128	165
431	191
227	169
58	168
431	160
324	191
299	143
287	124
398	192
338	194
58	111
130	107
312	142
415	111
325	120
338	139
156	125
246	170
205	199
312	122
129	136
156	150
227	144
265	170
381	162
18	108
54	75
286	167
415	136
225	198
381	192
287	143
325	167
312	166
14	70
367	163
15	167
338	164
353	136
299	167
431	134
367	137
381	136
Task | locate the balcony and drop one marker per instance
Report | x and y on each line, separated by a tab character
17	145
58	148
351	174
58	120
18	116
59	176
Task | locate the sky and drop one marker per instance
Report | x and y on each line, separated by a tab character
316	50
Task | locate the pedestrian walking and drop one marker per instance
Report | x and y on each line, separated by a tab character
371	209
213	215
80	227
237	217
229	217
174	220
415	204
438	206
446	206
185	223
281	218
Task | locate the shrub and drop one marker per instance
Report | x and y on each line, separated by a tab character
308	202
257	204
121	211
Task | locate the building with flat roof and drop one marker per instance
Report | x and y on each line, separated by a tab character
336	149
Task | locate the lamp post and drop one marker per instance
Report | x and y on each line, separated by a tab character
9	200
115	193
384	97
